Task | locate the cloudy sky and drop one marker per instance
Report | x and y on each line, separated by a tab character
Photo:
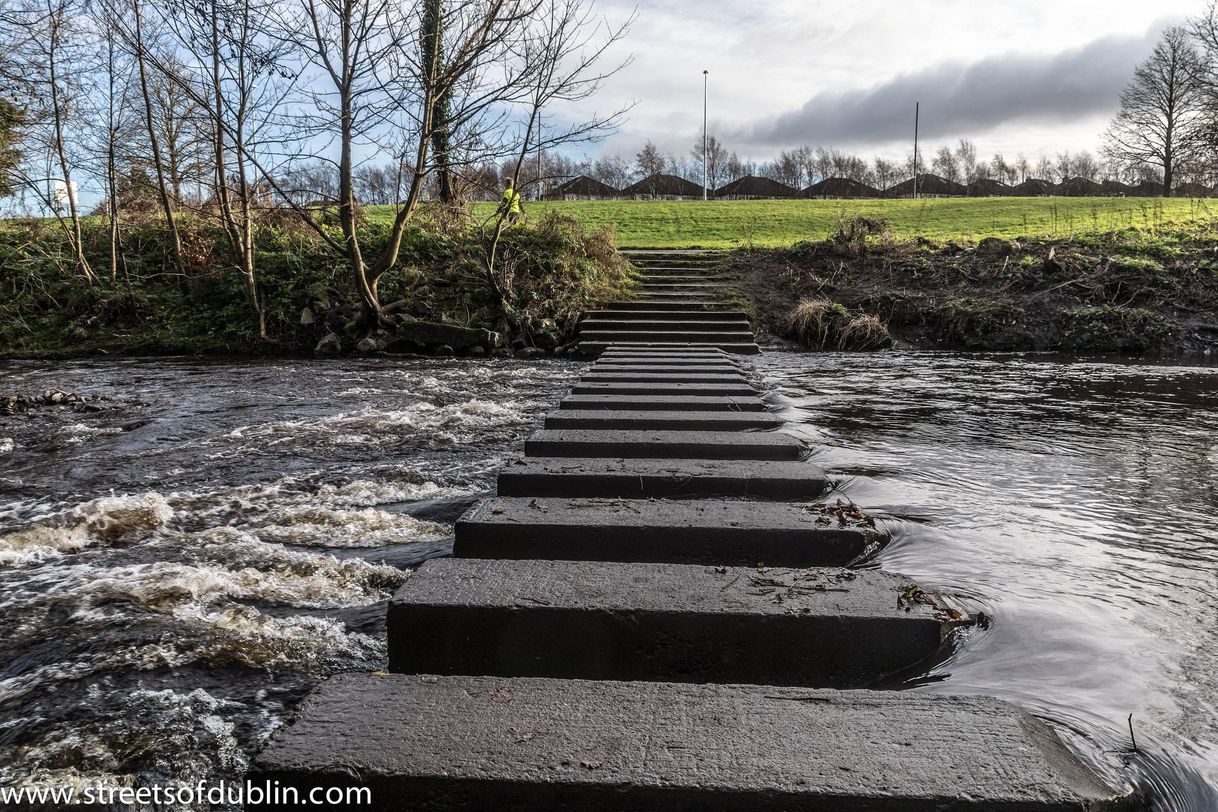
1037	76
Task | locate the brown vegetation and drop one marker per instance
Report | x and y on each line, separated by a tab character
1127	292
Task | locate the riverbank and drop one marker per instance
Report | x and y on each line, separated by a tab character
1131	291
439	299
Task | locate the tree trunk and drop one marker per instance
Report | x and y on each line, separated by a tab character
432	41
77	238
175	239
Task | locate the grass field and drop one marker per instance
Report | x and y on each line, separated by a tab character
781	223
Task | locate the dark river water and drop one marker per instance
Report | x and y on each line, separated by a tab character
179	568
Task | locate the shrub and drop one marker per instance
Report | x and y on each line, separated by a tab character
819	324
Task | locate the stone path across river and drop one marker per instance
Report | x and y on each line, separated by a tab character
655	612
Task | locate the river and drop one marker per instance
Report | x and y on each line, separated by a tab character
178	568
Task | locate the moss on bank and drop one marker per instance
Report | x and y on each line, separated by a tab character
438	297
1130	291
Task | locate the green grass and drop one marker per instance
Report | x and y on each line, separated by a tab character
781	223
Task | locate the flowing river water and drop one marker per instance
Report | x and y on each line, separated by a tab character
180	567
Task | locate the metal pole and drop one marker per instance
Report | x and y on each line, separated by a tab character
917	113
705	155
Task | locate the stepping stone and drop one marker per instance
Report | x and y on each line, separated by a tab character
663	444
738	348
664	361
819	628
664	364
655	419
522	744
699	531
673	402
742	388
669	402
643	478
645	376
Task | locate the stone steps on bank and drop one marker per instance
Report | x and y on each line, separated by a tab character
682	276
736	325
610	477
651	303
668	350
690	315
818	628
713	532
523	744
723	337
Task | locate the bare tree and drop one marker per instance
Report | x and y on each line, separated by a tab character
946	164
158	163
886	173
1084	165
1161	120
431	38
1062	165
44	39
649	161
1045	169
966	158
716	160
612	171
1023	167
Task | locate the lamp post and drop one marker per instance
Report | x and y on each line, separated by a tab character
705	155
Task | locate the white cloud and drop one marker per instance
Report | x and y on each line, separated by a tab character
770	60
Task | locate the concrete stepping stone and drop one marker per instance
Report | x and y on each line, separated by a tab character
610	477
524	744
664	444
663	364
698	531
819	628
669	420
596	388
646	376
668	402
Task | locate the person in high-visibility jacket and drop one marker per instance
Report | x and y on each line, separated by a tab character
511	202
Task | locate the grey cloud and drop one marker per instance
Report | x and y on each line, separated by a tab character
960	100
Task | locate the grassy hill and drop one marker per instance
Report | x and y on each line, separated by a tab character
782	223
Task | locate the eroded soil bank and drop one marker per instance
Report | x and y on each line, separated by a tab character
1129	292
